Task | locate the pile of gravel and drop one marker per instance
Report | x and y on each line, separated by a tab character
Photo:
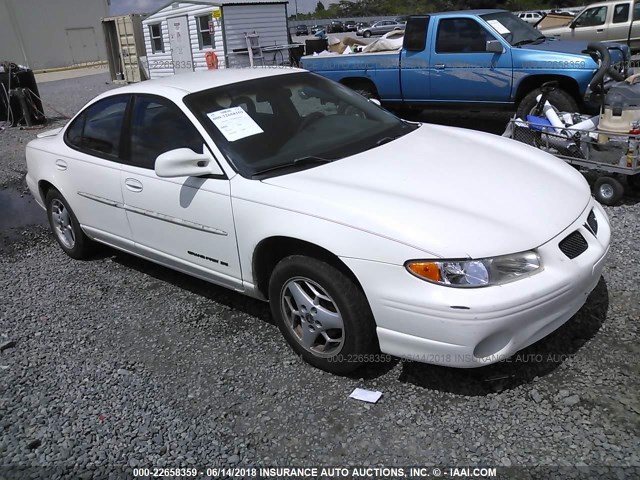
119	362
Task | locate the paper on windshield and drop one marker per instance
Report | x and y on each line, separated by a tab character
500	28
234	123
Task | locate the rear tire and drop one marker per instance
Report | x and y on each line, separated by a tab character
367	91
558	98
65	227
608	190
322	313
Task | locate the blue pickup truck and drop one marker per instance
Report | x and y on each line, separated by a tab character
469	58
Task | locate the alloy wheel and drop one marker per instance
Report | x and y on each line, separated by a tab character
62	226
312	316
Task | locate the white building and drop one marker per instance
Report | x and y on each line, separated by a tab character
45	33
179	35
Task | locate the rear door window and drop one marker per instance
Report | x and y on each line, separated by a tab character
621	13
98	130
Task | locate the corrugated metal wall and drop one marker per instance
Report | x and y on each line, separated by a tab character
268	21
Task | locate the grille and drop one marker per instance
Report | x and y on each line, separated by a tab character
573	245
592	222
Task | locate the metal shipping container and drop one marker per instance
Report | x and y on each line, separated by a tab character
125	45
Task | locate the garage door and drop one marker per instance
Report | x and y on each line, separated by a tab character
83	45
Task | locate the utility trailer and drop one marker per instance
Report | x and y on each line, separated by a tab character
610	155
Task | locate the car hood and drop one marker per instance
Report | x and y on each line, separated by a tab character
448	191
561	46
617	51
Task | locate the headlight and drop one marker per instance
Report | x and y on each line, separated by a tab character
476	273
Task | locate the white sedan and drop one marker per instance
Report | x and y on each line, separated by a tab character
365	233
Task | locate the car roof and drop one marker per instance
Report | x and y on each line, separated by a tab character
191	82
468	12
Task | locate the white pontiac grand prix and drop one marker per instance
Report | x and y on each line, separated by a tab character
364	232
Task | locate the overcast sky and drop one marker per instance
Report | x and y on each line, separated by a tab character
121	7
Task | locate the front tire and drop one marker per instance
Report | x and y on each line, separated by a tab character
322	314
65	227
366	34
558	98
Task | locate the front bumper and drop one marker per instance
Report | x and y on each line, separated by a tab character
473	327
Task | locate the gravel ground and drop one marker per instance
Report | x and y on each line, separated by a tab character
118	362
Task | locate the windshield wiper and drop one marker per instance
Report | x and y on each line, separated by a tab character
529	41
384	140
308	160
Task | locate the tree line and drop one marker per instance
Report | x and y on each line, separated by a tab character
373	8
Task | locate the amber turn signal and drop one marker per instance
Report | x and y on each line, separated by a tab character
427	270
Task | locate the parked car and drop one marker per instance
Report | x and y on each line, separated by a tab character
302	30
450	49
402	19
606	22
380	28
361	25
317	28
531	17
565	13
350	26
336	26
287	187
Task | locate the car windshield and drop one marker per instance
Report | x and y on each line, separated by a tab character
277	121
513	29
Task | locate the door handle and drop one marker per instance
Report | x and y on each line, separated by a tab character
439	66
133	185
61	164
600	30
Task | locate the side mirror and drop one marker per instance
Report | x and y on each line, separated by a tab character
184	162
572	25
494	46
375	101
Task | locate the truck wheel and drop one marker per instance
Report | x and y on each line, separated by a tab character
322	314
366	34
608	190
558	98
366	91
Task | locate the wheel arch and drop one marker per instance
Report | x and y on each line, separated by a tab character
360	83
271	250
530	83
44	187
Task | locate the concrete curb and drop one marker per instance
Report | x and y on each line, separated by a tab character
70	67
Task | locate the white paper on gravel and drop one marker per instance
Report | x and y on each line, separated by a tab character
234	123
500	28
365	395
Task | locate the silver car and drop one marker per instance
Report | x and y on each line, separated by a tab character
380	28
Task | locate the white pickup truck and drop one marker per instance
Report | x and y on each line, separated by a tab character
613	21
